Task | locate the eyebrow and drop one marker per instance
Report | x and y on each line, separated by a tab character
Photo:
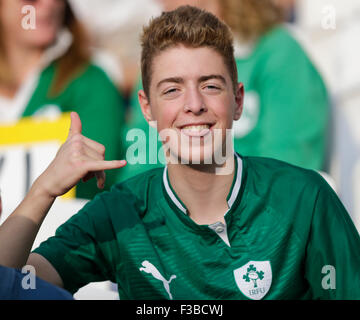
171	79
201	79
212	76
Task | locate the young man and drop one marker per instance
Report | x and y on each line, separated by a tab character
261	230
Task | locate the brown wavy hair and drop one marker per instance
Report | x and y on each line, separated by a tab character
68	65
189	26
249	19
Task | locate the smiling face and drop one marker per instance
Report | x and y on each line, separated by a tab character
192	99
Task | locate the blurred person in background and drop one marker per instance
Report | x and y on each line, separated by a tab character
330	30
289	9
47	70
286	107
114	27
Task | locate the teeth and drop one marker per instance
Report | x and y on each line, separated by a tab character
197	128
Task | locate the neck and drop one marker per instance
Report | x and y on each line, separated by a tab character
202	190
22	60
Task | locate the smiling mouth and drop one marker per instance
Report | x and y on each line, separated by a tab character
199	130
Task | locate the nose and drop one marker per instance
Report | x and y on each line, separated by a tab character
194	101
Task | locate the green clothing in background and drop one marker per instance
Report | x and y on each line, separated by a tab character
100	107
139	139
286	236
286	108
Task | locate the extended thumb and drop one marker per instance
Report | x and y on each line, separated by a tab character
75	126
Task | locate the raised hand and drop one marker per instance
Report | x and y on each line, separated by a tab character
78	158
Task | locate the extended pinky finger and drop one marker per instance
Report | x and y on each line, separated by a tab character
101	165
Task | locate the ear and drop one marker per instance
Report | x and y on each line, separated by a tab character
145	105
239	101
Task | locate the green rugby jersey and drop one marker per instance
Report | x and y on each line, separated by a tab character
286	236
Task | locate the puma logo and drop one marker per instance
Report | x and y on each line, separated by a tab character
150	268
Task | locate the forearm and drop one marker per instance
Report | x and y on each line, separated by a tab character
18	232
78	158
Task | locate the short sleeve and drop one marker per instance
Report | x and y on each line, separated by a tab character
332	265
75	250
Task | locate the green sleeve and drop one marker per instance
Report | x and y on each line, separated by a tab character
101	109
76	251
294	108
332	265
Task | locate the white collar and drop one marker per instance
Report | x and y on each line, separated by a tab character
231	199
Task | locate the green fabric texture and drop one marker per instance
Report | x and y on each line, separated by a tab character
283	216
286	110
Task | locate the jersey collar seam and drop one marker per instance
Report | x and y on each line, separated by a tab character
230	200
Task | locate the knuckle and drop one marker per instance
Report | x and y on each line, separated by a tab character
77	146
76	138
102	149
76	160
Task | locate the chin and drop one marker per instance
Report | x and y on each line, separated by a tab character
42	39
204	155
